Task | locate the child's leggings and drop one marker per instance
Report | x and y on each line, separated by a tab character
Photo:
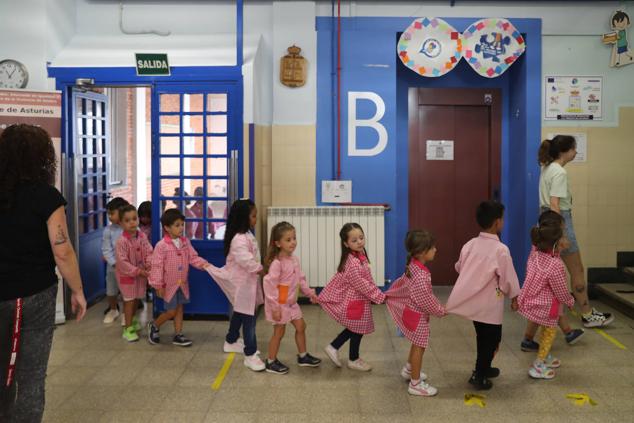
546	342
355	343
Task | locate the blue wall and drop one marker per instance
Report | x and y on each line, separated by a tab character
369	63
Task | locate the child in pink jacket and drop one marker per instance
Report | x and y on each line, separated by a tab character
410	300
283	277
545	289
486	276
133	253
347	297
239	280
170	267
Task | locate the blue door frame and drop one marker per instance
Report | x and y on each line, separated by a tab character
182	79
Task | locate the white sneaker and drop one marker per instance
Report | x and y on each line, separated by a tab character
333	355
360	365
111	316
254	362
236	347
552	362
539	371
422	389
407	374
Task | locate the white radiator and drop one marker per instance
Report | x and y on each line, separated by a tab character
318	244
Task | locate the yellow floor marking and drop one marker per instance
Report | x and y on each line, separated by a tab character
223	372
603	334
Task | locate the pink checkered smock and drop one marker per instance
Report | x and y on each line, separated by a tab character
133	254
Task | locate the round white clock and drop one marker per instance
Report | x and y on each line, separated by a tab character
13	74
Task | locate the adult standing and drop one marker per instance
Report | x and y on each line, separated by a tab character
33	242
554	194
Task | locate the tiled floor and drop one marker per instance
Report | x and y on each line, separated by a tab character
95	376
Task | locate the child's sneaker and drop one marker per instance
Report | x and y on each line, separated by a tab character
236	347
422	389
407	374
111	316
181	341
129	334
574	335
136	324
552	362
480	383
360	365
308	361
540	371
333	355
153	334
254	362
528	345
276	367
597	319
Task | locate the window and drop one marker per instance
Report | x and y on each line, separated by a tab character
120	101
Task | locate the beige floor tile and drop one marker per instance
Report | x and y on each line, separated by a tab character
217	417
126	416
67	375
187	399
94	398
157	376
178	417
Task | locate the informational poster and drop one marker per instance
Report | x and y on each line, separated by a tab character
43	109
439	150
573	98
582	145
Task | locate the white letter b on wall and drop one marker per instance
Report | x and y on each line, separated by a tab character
373	123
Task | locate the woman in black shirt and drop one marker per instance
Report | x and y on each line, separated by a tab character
34	240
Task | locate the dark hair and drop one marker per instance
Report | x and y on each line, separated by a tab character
26	155
488	212
548	231
170	216
619	16
114	204
345	251
145	209
550	150
237	221
417	241
277	232
125	209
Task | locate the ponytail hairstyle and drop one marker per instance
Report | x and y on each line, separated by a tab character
345	251
550	150
547	233
277	233
238	221
417	241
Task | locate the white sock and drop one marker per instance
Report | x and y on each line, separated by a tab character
408	367
302	355
414	382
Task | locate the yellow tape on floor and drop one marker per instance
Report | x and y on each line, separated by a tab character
223	372
603	333
581	399
475	399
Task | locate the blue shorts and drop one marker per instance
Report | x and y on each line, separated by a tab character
178	299
569	232
622	49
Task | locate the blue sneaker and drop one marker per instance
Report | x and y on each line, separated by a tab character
573	336
528	345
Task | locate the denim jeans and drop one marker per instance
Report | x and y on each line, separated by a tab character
248	332
23	401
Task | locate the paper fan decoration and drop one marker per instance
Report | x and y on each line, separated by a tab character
492	45
430	47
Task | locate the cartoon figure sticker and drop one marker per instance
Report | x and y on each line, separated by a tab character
430	47
492	45
621	53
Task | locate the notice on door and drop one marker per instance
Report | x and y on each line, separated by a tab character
439	149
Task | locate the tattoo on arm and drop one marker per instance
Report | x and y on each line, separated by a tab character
61	236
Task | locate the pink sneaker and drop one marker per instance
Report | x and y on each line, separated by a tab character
407	374
422	389
360	365
254	362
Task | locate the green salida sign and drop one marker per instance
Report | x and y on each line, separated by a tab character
152	64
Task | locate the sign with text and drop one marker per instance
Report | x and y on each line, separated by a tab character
152	64
573	97
439	150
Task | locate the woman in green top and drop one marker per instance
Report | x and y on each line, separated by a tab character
554	194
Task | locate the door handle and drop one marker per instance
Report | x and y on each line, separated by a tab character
233	177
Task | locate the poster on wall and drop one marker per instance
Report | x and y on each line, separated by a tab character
439	150
43	109
582	144
573	97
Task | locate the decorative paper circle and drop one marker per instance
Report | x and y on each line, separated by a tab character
430	47
492	45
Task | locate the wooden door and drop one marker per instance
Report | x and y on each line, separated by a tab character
444	193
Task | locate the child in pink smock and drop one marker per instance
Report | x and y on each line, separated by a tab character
410	300
170	267
545	289
283	277
133	252
486	276
239	280
347	297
